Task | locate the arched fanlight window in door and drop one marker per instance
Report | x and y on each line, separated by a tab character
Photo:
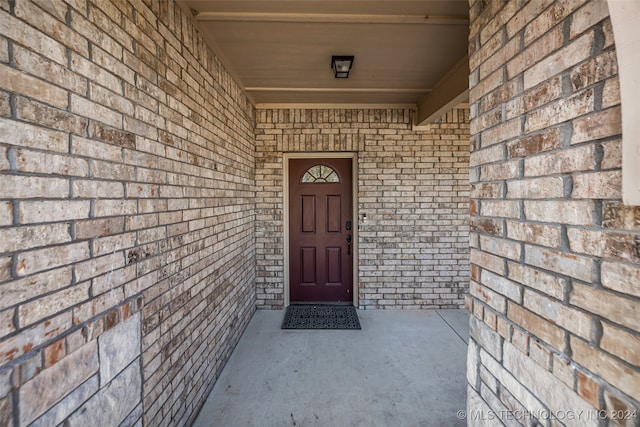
319	174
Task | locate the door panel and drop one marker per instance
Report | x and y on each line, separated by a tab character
308	267
334	268
320	206
308	214
333	214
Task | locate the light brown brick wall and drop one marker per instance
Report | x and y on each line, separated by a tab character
555	255
127	186
413	186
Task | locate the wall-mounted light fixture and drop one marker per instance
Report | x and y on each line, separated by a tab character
341	65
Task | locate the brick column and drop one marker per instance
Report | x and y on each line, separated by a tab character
555	254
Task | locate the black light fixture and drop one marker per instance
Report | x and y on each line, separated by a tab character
341	65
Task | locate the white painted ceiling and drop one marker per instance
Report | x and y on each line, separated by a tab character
280	51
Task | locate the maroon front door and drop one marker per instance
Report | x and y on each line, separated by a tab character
321	230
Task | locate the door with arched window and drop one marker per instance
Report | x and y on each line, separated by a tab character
320	230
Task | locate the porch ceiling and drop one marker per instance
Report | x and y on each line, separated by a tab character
407	53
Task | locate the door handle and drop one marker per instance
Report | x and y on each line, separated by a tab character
348	244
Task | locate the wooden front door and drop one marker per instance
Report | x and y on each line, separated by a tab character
320	230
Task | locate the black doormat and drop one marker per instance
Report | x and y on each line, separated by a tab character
314	316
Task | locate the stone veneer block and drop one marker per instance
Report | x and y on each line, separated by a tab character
511	383
479	411
118	347
112	404
554	394
5	382
473	359
68	405
6	411
50	385
487	338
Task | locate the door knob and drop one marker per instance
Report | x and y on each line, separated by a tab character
348	244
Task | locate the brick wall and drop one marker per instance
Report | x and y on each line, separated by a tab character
126	213
413	186
555	258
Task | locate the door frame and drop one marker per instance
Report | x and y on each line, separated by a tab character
285	196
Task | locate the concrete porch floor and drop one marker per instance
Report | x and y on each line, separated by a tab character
404	368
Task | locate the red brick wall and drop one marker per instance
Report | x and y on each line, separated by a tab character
555	257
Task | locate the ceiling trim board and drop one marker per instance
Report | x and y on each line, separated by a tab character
332	18
334	106
335	89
